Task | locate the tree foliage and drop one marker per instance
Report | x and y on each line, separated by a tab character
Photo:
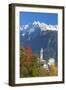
53	70
30	65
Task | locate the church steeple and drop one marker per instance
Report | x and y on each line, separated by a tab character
41	54
41	57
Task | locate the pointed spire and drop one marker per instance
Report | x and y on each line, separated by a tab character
41	54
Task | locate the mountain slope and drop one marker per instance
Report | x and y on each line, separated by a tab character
38	37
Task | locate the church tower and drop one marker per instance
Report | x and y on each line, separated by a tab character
41	54
41	57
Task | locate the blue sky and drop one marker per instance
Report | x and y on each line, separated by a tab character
30	17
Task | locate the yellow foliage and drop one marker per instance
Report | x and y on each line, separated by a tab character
53	70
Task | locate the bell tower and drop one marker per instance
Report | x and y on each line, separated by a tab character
41	54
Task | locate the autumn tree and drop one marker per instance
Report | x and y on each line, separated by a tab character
29	63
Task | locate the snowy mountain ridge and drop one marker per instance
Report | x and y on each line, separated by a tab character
43	26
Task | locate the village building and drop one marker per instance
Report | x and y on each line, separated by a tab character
44	62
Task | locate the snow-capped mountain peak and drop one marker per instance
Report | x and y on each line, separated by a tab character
44	26
36	27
